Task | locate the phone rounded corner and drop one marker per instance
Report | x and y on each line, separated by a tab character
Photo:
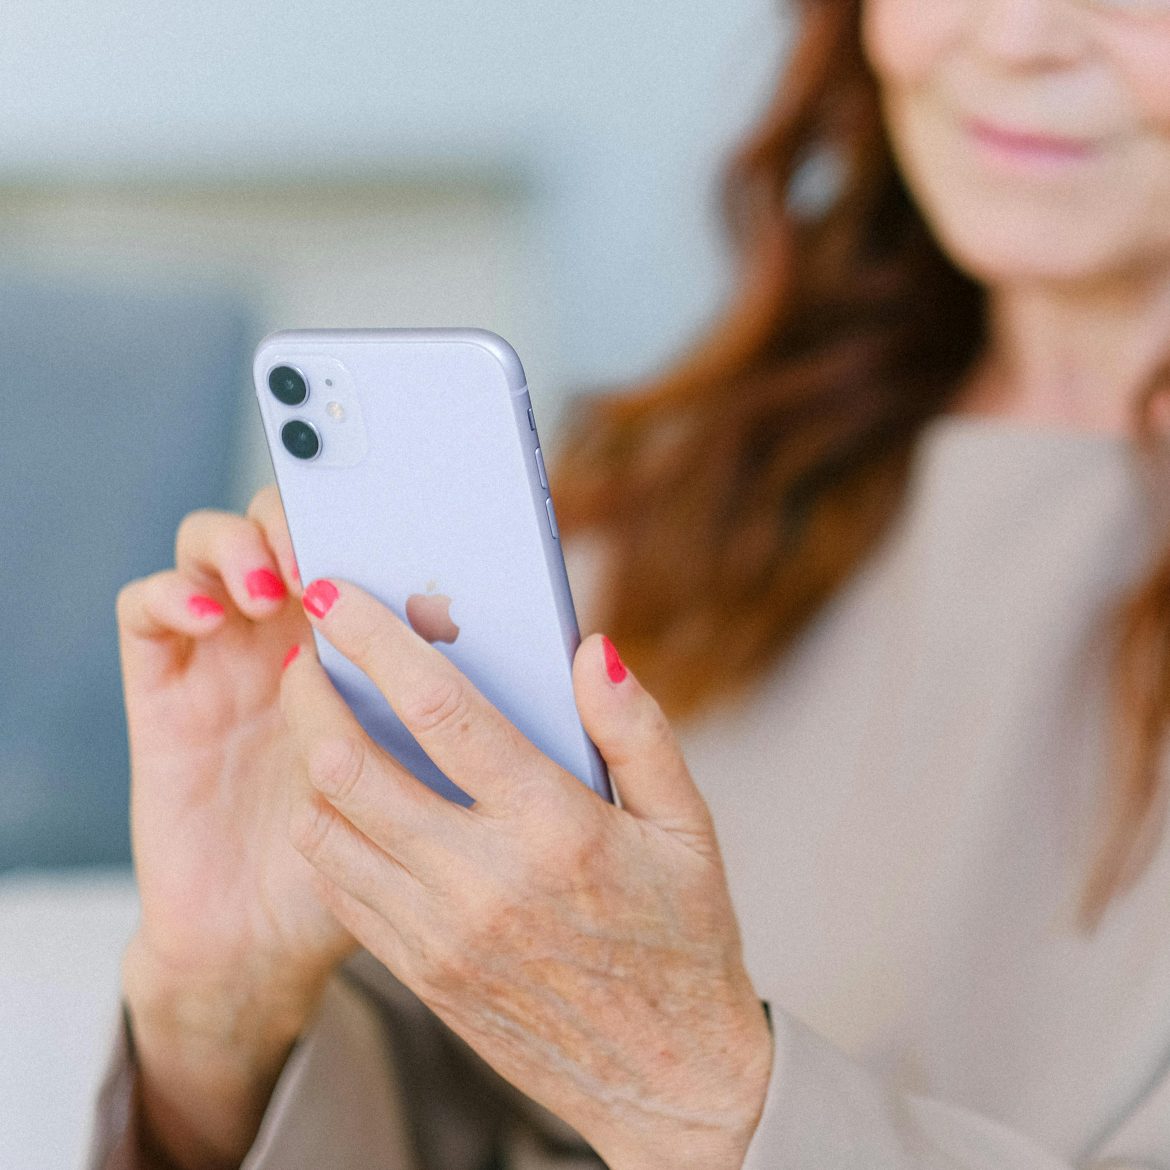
269	339
267	342
505	356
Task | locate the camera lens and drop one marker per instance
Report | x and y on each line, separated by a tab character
300	439
288	385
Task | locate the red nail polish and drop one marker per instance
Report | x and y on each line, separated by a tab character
615	667
293	651
318	599
264	583
202	606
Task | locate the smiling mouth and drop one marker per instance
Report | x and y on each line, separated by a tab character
1027	149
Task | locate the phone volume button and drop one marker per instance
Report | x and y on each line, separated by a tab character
552	520
540	469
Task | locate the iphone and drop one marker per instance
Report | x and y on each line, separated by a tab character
408	461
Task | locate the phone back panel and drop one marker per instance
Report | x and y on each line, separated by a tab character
427	484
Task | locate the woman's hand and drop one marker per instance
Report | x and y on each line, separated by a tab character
590	954
233	947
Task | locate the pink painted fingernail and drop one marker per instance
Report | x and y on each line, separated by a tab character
614	666
293	651
264	583
202	606
318	599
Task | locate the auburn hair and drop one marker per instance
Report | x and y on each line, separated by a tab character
740	488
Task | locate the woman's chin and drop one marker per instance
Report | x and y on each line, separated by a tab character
1041	258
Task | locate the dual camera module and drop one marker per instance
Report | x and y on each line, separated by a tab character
300	438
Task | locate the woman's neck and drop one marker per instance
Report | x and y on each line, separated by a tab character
1072	358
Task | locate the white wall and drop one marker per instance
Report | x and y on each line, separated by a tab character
615	113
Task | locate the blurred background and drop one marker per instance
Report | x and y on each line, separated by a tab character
178	180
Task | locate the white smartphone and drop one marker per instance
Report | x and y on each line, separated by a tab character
408	461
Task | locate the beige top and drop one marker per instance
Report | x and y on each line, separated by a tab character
907	807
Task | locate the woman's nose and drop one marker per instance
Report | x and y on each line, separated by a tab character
1029	34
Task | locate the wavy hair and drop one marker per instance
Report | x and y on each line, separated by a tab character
739	489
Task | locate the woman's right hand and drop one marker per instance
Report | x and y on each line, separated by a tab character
233	947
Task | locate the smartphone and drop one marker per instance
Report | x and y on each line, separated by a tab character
408	461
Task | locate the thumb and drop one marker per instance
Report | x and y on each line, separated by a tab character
636	739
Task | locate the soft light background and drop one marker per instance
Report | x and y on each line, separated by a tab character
177	180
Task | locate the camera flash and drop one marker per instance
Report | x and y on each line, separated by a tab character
335	411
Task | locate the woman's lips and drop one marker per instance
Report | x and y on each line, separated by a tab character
1024	151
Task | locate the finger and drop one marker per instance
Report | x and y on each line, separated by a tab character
366	785
383	937
352	862
221	546
636	739
467	738
156	614
267	511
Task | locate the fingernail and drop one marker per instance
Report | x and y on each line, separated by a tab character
318	599
264	583
202	606
615	667
293	651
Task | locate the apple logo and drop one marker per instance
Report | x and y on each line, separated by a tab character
429	615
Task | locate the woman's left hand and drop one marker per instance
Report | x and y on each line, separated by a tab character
590	954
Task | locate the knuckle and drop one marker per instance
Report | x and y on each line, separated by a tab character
566	848
263	503
266	514
135	595
191	525
126	599
442	708
656	728
311	826
366	642
336	767
212	534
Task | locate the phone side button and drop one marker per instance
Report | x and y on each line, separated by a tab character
531	420
552	520
540	469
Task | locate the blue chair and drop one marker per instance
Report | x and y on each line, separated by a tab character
120	407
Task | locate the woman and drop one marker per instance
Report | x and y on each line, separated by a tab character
889	550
